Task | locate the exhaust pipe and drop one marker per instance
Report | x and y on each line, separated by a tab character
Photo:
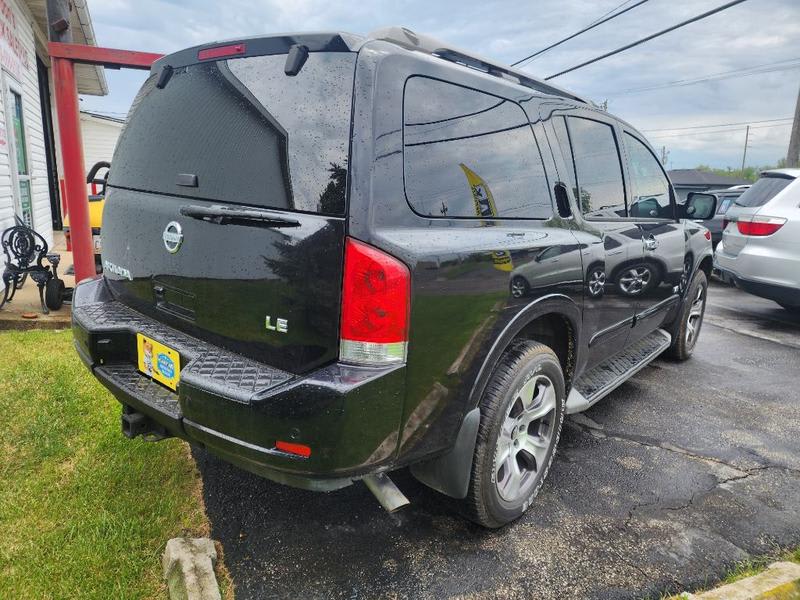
135	423
388	494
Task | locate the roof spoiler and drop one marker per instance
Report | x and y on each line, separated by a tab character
260	46
423	43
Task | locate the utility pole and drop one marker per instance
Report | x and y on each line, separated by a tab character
746	139
793	154
664	155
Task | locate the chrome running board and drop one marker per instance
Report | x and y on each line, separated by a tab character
601	380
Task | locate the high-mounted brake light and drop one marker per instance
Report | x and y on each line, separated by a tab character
759	225
375	306
221	51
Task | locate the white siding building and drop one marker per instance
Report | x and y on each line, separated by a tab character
29	180
100	134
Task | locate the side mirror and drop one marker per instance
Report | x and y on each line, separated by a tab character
700	206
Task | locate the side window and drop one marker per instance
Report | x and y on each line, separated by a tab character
650	196
598	168
469	154
562	138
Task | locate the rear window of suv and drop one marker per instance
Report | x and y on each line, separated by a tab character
762	191
251	134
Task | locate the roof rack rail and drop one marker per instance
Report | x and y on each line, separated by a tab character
429	45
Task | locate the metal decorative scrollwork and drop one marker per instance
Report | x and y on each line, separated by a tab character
24	250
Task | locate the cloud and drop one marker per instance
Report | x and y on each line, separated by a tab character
748	34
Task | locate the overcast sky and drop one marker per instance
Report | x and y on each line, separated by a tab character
757	32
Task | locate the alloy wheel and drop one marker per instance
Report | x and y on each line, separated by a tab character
695	317
518	287
634	280
525	438
597	282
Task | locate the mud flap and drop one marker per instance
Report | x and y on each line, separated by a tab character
449	474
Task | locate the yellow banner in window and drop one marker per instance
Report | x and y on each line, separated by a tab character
485	207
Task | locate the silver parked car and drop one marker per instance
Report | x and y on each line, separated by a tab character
725	199
760	247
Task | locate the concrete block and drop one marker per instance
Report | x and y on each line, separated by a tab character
189	569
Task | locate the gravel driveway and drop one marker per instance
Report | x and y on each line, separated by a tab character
662	486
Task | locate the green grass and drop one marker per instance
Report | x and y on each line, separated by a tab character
754	566
83	511
746	568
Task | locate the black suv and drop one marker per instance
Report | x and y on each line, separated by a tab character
327	257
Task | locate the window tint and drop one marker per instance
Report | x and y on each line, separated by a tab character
469	154
762	191
598	168
650	196
251	134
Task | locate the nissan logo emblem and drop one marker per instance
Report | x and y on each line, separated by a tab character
173	237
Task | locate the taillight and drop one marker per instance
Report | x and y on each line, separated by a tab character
375	306
759	226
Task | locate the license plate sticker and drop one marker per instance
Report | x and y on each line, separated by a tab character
158	361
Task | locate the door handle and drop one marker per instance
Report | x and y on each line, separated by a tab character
650	243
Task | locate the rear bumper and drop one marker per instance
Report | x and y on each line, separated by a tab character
762	260
238	408
777	293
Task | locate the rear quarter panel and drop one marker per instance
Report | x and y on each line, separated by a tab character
461	302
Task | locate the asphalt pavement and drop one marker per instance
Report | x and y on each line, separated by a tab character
663	486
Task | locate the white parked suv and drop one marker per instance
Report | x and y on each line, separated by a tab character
760	247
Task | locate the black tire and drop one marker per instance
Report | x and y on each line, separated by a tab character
54	294
682	344
524	363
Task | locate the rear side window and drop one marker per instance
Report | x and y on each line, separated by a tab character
762	191
598	168
470	154
251	134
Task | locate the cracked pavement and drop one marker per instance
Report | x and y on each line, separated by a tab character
681	472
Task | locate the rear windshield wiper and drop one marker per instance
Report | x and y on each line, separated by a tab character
236	216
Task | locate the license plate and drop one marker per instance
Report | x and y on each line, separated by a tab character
158	361
96	241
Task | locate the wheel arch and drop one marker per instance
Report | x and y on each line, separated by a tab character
553	320
556	317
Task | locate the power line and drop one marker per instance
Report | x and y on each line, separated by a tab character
744	72
722	131
584	30
617	7
648	38
718	125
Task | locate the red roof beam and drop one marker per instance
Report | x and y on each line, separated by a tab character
106	57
